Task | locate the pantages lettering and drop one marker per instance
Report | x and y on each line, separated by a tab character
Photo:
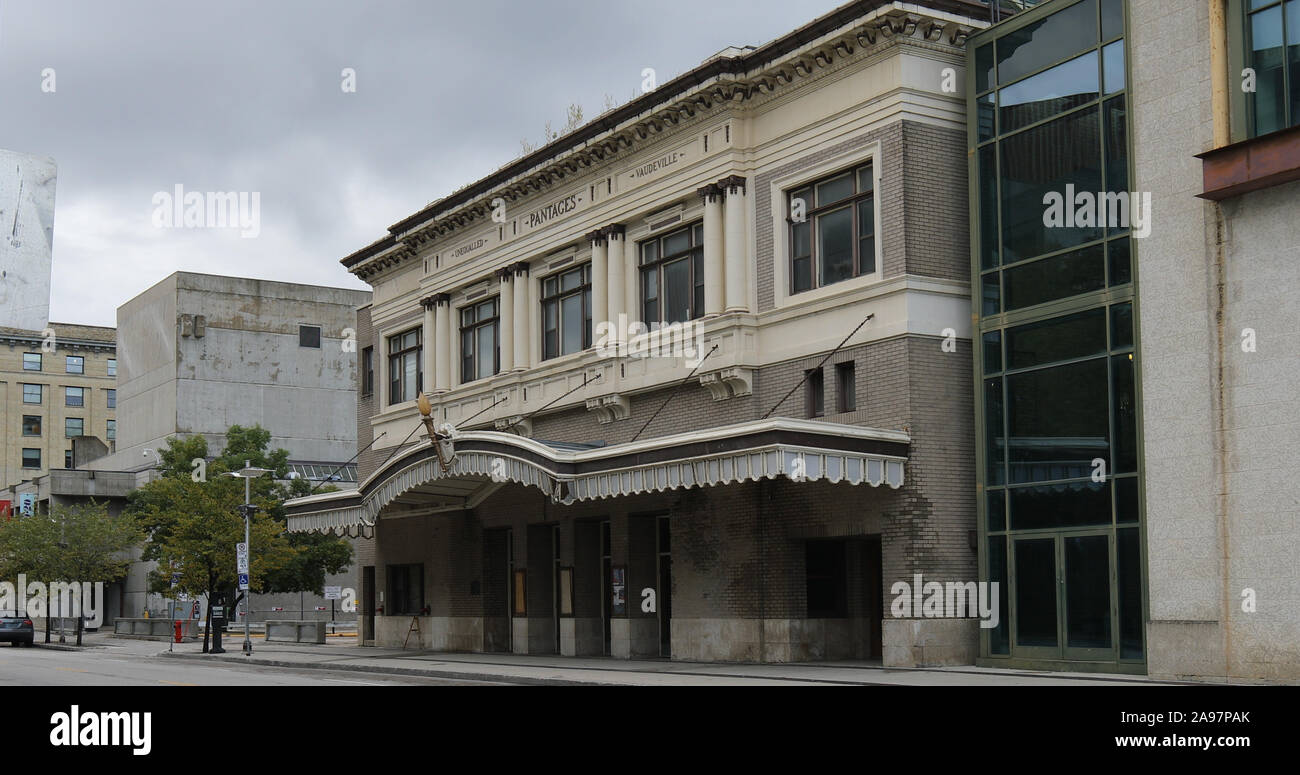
657	164
554	210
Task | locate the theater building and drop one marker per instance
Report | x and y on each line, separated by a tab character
698	372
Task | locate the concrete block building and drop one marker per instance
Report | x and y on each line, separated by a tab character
698	371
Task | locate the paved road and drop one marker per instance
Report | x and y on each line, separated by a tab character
134	663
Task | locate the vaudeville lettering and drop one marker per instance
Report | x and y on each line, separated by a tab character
553	210
472	246
656	165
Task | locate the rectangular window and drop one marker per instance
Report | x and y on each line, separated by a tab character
74	427
480	340
815	393
74	396
826	581
67	459
832	229
672	276
112	367
846	384
405	590
1272	33
31	361
111	432
566	312
309	336
76	364
112	398
32	394
405	366
31	458
368	371
31	425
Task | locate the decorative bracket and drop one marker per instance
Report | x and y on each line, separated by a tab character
518	425
610	408
729	382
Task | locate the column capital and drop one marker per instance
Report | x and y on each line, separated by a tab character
595	237
504	273
732	181
439	299
429	302
710	192
519	268
614	230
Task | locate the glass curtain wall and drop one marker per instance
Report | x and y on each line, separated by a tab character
1053	220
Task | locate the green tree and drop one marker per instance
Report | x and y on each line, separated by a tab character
74	543
193	522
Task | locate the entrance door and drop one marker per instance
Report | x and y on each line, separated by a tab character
606	570
1064	600
368	621
664	595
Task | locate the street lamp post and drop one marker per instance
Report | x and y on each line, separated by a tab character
248	473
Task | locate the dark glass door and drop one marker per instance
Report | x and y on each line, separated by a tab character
1037	631
1064	597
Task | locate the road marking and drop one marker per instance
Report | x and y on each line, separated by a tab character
176	683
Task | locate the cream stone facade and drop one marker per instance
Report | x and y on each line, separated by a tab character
55	385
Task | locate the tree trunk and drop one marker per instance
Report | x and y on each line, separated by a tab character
207	624
80	623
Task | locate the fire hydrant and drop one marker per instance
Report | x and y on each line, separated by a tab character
176	625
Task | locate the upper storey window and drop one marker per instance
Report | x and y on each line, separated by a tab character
480	340
832	229
566	312
405	367
672	276
1272	34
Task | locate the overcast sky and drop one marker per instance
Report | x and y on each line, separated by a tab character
246	96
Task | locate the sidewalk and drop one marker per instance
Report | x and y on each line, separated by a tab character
604	671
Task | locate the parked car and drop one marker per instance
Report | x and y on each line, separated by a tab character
17	629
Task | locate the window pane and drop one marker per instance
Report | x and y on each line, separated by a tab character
1128	559
697	300
1000	636
1126	500
1060	505
1054	278
74	396
1035	592
550	329
984	67
676	243
995	470
992	352
31	362
1044	160
1112	63
800	234
1117	155
1124	399
1121	326
411	369
1293	56
572	319
1112	18
31	426
1121	270
1266	58
649	251
76	364
486	350
865	181
1068	85
834	190
31	458
73	427
112	367
835	245
570	280
991	292
1057	420
988	207
1055	37
1087	591
866	236
995	510
801	275
677	291
985	115
1058	339
550	286
32	394
650	296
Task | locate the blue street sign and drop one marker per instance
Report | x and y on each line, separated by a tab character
243	581
176	579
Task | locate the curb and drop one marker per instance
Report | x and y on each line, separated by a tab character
408	671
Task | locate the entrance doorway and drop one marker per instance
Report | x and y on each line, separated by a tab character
1064	599
606	595
664	601
368	602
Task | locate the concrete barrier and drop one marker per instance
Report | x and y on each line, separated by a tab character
155	629
295	631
